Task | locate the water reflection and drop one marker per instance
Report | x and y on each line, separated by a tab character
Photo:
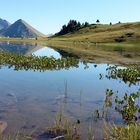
20	48
29	49
46	51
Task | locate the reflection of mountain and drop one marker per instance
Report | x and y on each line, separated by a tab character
29	49
17	48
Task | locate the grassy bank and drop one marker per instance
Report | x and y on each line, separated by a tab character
112	52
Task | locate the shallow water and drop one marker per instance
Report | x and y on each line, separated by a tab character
31	100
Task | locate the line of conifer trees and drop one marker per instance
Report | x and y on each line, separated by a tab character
72	26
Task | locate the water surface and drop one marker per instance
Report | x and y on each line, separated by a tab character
31	99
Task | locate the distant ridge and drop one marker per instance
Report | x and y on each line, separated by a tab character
22	29
4	24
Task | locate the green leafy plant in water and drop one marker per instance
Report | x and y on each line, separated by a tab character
128	106
108	98
108	102
21	62
129	75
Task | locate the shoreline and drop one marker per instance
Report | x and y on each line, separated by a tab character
88	51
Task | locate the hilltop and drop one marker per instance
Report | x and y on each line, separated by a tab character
21	29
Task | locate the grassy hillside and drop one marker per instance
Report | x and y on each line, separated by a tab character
106	33
117	43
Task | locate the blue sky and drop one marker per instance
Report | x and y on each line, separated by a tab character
49	15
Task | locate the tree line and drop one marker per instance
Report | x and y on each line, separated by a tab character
72	26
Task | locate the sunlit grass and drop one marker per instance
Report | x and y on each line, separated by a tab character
130	132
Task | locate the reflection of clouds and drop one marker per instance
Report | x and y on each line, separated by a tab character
46	51
8	42
59	97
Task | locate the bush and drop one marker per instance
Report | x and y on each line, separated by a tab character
120	39
129	34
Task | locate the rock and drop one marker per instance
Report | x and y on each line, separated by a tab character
3	126
49	134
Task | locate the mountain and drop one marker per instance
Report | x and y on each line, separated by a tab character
22	29
4	24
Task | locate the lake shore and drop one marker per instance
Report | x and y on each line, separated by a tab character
118	53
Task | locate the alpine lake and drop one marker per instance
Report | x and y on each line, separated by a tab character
31	99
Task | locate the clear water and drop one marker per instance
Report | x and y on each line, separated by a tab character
30	100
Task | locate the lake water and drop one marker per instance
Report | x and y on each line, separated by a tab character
30	100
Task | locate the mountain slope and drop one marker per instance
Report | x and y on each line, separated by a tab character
22	29
4	24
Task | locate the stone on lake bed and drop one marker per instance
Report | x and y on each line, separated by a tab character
50	134
3	126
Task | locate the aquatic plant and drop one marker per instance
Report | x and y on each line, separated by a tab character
64	128
128	107
130	74
21	62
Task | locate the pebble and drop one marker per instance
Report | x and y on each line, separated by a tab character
3	126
